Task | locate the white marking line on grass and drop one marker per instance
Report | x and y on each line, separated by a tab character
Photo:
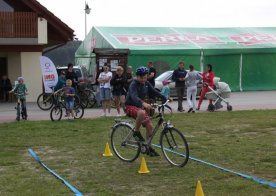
76	191
260	181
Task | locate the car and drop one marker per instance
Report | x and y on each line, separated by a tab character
168	76
83	77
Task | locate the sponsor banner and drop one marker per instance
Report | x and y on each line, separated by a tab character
49	74
167	39
254	38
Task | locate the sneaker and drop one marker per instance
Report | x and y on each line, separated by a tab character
152	152
191	109
103	115
197	108
138	137
180	110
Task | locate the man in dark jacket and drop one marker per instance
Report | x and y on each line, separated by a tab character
179	78
71	75
5	87
152	73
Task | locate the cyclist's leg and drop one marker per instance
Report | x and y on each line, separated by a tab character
24	109
138	115
18	109
71	104
67	104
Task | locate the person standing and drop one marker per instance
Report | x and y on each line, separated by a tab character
61	81
129	77
179	78
105	89
208	80
166	89
5	87
119	92
71	75
192	78
152	74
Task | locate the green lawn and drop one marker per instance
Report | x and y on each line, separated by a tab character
242	141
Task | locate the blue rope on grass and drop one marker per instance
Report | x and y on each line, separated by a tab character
260	181
73	189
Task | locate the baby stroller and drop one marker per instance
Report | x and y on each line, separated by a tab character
219	95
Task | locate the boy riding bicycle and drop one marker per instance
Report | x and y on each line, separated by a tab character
21	91
137	108
69	93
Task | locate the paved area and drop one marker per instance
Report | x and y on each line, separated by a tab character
239	101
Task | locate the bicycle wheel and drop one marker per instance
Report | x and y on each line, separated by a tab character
83	99
56	113
112	103
123	144
174	147
45	101
91	100
79	111
77	99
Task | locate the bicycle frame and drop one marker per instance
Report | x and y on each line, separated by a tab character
159	123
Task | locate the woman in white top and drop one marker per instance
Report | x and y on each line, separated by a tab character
192	78
105	88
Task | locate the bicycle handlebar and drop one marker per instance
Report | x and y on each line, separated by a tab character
163	106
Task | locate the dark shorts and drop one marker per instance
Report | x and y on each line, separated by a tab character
118	93
132	111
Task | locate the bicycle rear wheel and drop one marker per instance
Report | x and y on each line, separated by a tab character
83	99
174	147
91	100
45	101
79	111
56	113
123	144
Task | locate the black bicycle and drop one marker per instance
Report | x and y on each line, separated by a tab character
59	109
173	144
46	101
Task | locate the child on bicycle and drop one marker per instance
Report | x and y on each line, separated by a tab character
69	93
21	91
137	108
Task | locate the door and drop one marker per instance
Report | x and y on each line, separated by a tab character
3	67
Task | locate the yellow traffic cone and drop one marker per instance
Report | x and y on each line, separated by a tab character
199	191
143	167
107	152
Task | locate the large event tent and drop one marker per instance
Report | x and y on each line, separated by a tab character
245	58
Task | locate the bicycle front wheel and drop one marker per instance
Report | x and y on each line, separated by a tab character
56	113
174	147
79	111
123	143
45	101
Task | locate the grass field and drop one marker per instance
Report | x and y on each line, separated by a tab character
243	141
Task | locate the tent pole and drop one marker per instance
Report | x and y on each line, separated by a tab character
201	60
241	73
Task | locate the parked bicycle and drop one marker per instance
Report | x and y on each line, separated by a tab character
173	144
87	96
59	109
45	101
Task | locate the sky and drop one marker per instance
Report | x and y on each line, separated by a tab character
163	13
